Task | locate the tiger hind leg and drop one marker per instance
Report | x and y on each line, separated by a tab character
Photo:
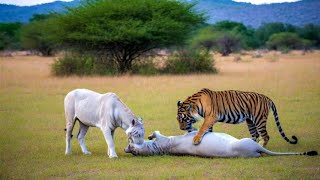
253	130
262	130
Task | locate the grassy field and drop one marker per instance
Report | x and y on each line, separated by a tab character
32	137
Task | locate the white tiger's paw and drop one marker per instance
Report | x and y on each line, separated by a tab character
113	156
87	153
68	153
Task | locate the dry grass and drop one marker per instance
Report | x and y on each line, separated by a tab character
32	121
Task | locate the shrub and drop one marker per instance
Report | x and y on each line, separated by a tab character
286	41
145	66
227	43
190	61
9	36
180	62
74	64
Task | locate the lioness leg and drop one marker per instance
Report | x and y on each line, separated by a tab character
82	132
253	130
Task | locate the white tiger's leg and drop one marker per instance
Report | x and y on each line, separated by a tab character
155	134
108	135
69	128
69	111
82	132
68	137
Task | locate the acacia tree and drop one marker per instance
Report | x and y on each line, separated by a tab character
39	34
127	29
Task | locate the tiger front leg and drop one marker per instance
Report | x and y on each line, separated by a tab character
208	123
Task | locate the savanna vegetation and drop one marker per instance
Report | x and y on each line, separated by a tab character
32	120
108	37
103	37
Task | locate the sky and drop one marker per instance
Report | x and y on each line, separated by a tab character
34	2
263	1
27	2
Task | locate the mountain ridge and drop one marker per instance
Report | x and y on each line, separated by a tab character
297	13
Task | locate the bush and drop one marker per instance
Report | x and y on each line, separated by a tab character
286	41
145	66
227	43
74	64
180	62
9	36
190	61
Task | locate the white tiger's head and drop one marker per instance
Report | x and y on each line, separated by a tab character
135	132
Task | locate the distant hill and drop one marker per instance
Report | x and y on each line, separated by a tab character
296	13
12	13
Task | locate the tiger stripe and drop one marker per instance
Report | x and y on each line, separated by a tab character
232	107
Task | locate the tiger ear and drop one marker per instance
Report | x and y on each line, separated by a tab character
189	107
179	103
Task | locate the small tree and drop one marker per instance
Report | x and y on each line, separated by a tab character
311	32
126	29
204	39
39	35
286	41
225	37
264	32
9	35
226	43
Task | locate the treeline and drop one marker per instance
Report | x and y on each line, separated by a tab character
115	37
227	37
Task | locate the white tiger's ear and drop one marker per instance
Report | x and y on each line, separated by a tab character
179	103
140	119
189	107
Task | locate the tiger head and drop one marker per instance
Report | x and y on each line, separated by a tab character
135	132
186	116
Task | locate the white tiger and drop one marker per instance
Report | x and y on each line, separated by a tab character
104	111
213	145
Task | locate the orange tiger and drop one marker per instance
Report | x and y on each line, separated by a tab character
230	107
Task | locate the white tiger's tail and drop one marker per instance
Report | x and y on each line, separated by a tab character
308	153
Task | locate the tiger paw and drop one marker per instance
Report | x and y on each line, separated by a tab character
150	137
196	140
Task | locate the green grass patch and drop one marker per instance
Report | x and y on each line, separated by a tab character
32	123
